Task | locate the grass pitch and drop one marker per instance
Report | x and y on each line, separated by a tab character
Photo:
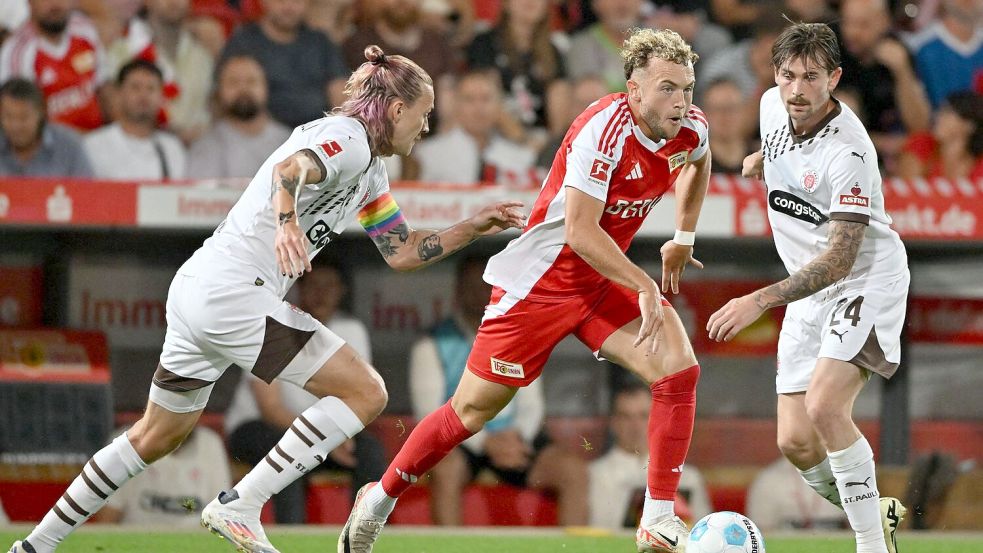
101	539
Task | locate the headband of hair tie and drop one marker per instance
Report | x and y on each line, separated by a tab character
380	60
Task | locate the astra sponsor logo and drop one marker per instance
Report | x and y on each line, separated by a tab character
637	208
504	368
794	206
862	201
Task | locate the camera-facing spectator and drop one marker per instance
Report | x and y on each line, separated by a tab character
305	71
689	18
580	94
59	49
878	66
747	63
954	147
724	104
164	38
949	53
473	150
134	147
29	145
520	47
243	134
596	49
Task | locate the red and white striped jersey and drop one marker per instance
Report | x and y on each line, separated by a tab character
605	155
67	72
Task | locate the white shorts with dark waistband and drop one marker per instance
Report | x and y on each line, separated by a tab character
857	321
212	326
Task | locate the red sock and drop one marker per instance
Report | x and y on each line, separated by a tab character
436	435
670	430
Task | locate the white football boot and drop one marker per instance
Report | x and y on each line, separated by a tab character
892	513
362	528
669	535
240	527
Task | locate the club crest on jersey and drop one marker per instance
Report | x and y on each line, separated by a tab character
678	160
331	148
856	199
504	368
809	181
599	170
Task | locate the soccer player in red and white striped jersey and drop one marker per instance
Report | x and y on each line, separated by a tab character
60	50
567	274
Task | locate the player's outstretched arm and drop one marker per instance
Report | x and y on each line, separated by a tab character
289	175
585	236
407	249
845	238
691	189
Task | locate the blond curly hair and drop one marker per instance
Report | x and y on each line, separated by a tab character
645	44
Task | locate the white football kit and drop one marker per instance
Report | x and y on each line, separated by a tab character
832	174
225	305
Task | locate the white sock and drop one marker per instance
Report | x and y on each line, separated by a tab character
855	479
378	502
655	510
110	468
821	479
318	430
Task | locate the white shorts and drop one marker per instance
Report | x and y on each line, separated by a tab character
858	321
212	326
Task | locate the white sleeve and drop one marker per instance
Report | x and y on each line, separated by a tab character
426	378
530	408
697	120
852	176
343	156
17	61
594	153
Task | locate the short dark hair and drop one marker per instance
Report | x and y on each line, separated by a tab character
23	89
814	42
968	105
138	65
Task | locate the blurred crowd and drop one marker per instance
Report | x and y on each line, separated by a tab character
174	89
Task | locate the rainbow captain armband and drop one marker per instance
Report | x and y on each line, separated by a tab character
380	216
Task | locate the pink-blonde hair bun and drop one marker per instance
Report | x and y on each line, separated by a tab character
375	55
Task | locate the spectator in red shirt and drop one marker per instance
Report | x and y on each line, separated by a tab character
954	147
60	50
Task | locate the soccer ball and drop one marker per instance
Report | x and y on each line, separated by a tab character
725	532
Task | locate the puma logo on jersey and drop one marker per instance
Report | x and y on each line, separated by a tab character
861	156
838	334
636	172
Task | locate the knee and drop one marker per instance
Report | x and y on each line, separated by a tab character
374	397
473	416
152	442
796	447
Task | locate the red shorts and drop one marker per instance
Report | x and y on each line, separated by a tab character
517	336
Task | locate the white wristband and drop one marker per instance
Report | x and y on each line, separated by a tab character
684	238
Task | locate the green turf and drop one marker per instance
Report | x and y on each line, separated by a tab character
92	540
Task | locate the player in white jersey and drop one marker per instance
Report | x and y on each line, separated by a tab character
225	306
847	285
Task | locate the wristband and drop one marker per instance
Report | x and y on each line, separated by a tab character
684	238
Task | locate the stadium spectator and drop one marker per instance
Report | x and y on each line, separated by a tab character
173	491
581	93
163	38
689	18
949	53
474	151
520	47
32	146
134	147
304	69
595	50
747	63
334	18
59	49
797	507
512	445
243	134
617	478
878	66
954	147
724	103
259	413
397	26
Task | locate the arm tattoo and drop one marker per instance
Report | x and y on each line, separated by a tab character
290	184
384	241
430	248
285	217
834	264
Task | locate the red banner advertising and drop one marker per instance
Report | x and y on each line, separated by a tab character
946	321
697	300
20	296
53	356
67	202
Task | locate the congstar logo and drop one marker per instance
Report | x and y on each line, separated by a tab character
794	206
